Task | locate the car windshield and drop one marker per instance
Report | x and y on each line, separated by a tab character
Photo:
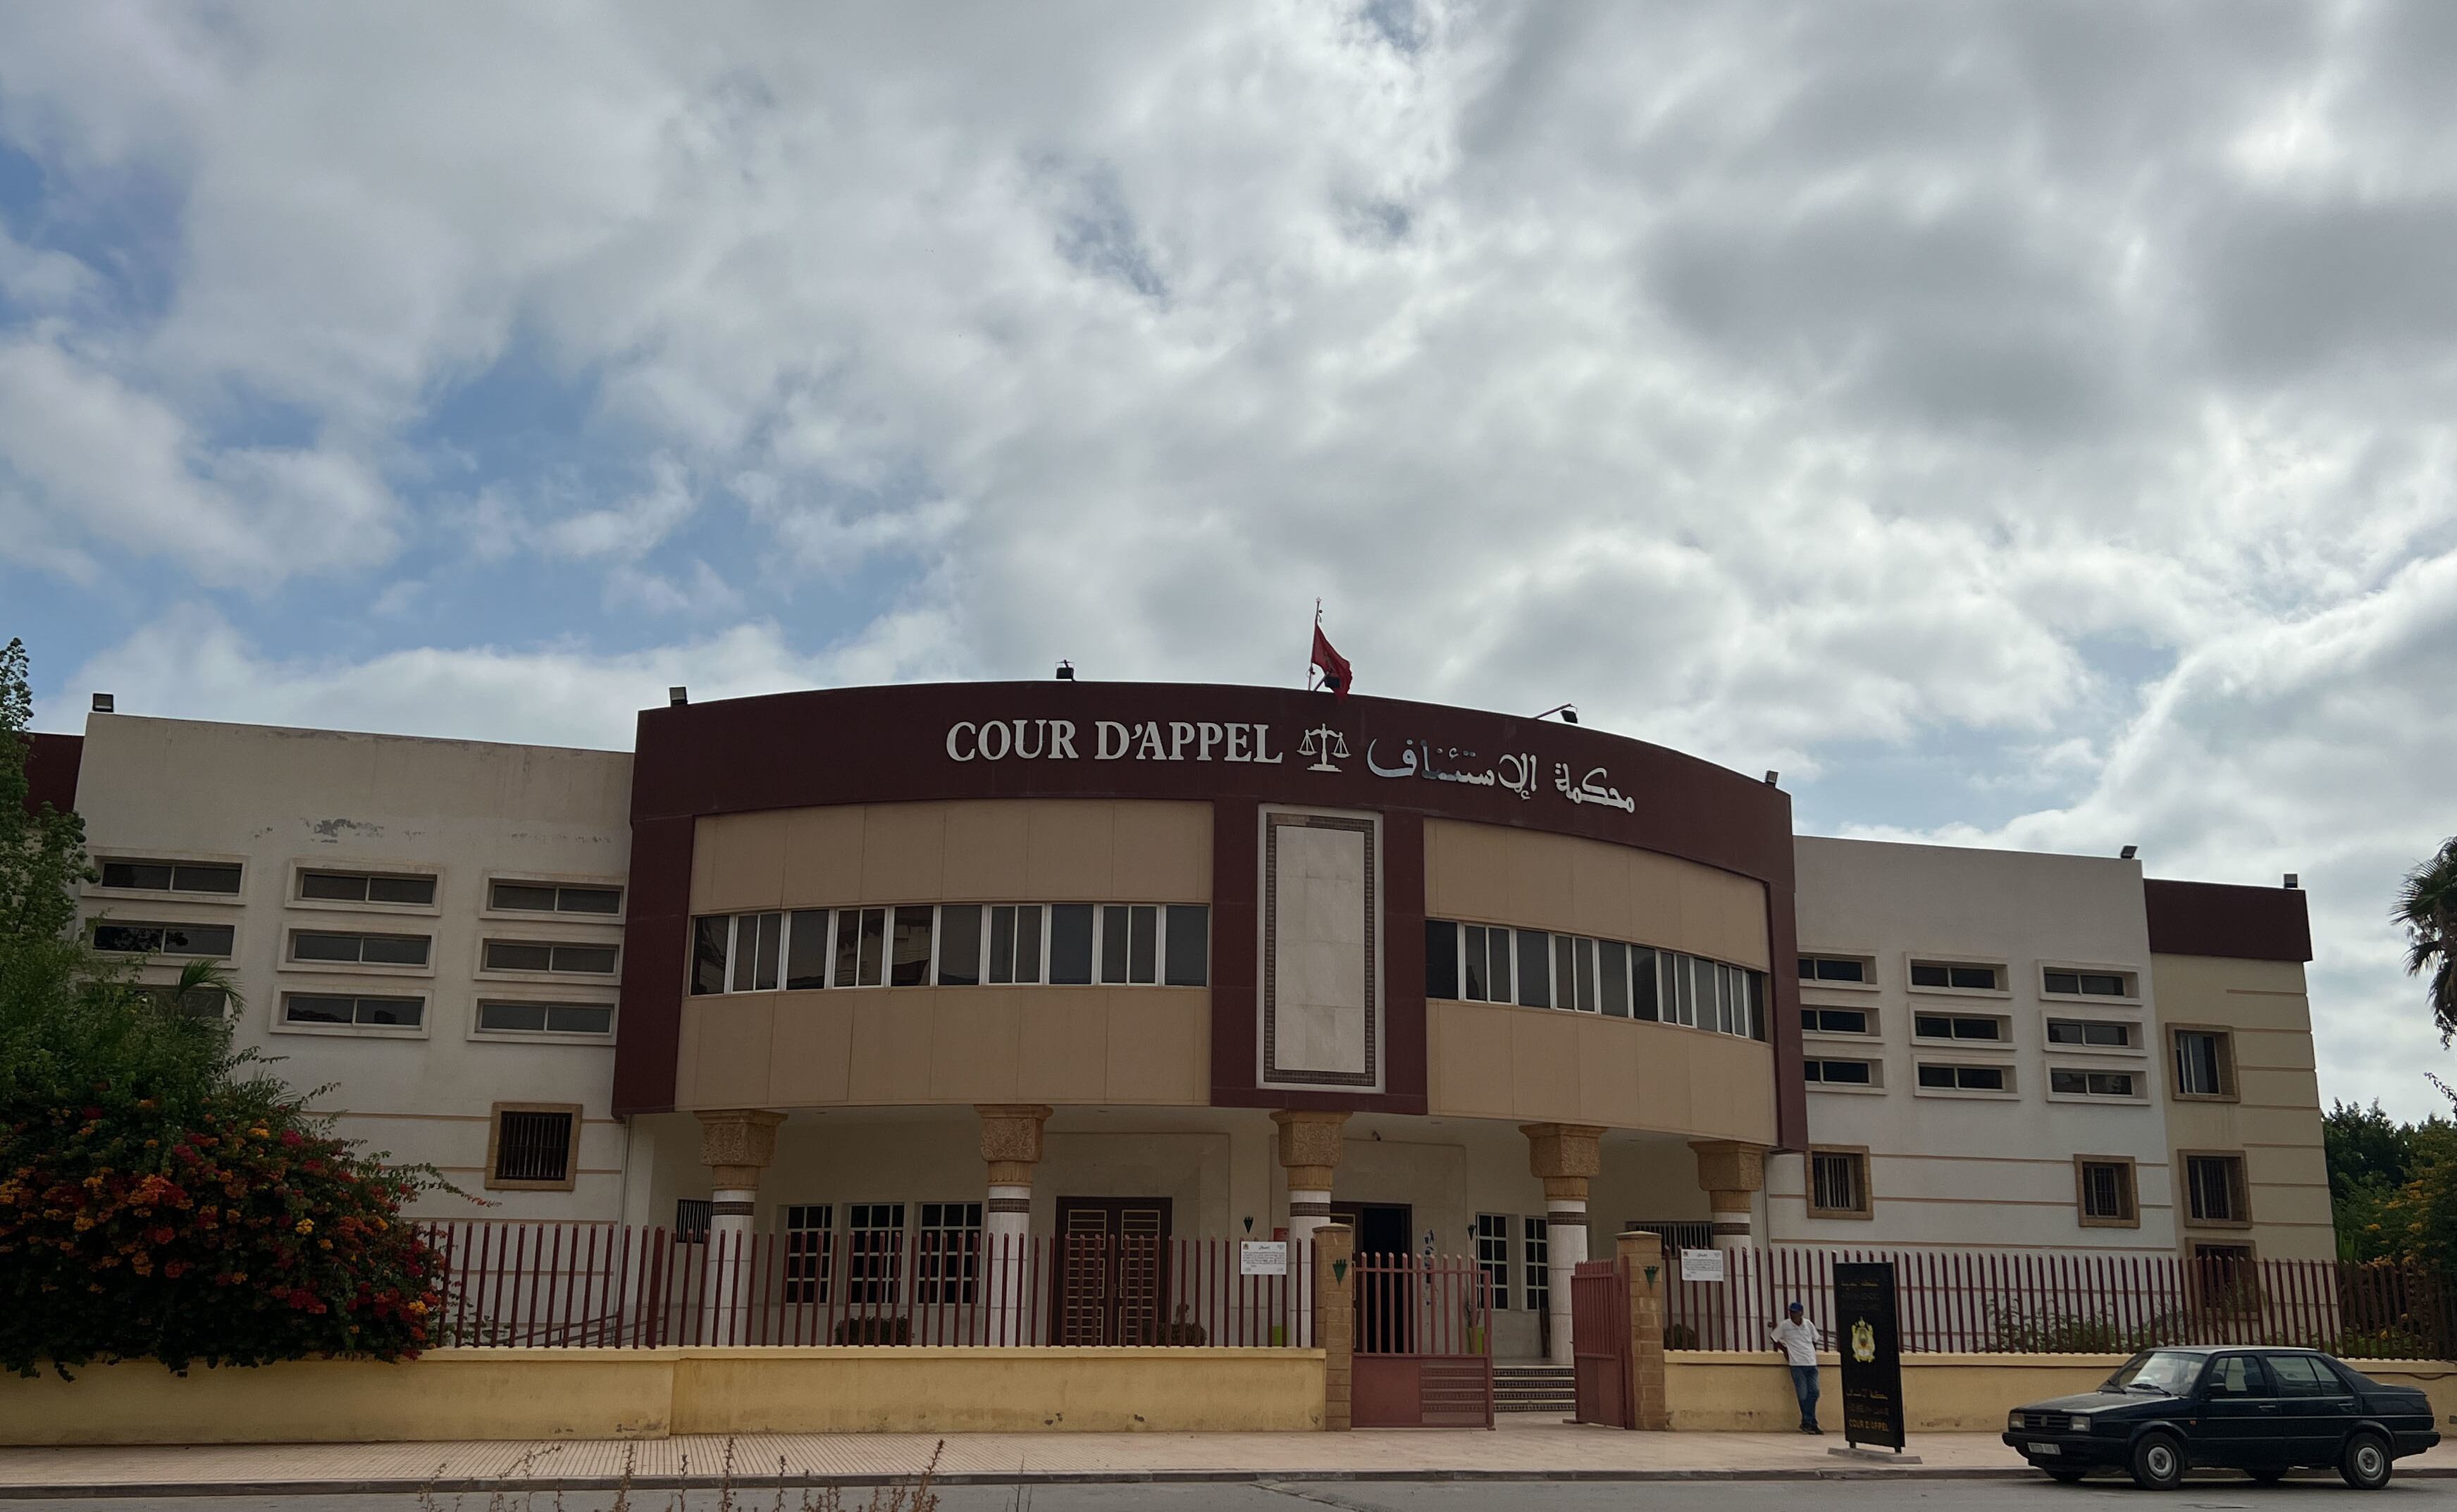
2167	1370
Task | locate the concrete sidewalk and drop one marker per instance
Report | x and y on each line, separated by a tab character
1522	1448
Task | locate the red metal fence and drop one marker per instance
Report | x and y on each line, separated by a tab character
568	1285
2005	1302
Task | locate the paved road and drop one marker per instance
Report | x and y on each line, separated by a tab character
1729	1496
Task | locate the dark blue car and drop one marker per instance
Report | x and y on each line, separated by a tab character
2263	1411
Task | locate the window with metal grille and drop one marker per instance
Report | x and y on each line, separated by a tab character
810	1251
2107	1192
170	877
1493	1255
692	1215
532	1145
1536	1251
874	1251
1838	1182
2214	1184
947	1252
546	1018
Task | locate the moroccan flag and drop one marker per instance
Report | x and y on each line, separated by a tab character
1331	663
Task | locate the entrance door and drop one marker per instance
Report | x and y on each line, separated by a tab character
1112	1280
1385	1310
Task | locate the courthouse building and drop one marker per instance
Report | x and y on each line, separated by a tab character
1083	958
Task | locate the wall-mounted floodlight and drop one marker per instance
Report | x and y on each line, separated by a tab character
1065	671
677	697
102	702
1771	774
2293	882
2128	852
1569	712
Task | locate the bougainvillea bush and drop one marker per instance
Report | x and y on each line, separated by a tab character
224	1234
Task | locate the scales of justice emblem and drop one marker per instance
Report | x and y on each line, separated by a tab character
1322	742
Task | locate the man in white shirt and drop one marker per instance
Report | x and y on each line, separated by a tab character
1796	1339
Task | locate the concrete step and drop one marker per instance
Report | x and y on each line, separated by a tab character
1534	1388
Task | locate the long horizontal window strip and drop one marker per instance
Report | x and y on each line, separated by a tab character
143	936
1965	1078
2088	984
547	1018
554	897
319	946
407	889
1840	1073
2093	1084
339	1010
2095	1034
952	946
1957	976
561	957
1614	978
171	877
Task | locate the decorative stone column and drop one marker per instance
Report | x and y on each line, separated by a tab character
1564	1155
737	1144
1010	1146
1642	1255
1335	1314
1732	1173
1308	1148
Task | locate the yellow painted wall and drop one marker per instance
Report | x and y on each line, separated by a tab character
1726	1391
648	1394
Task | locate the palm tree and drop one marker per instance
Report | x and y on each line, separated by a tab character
2426	904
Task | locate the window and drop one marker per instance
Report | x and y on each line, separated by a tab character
959	945
539	955
810	1251
1538	969
710	939
355	949
1837	968
547	1018
758	952
2235	1376
1493	1256
806	948
195	1003
1964	1078
874	1251
1070	944
2205	1062
532	1147
691	1219
2214	1188
1535	1253
2089	984
366	887
1485	964
2091	1083
2095	1033
1130	944
2304	1375
356	1012
1957	976
1189	957
1015	942
164	938
908	958
1612	978
1840	1073
947	1253
1834	1021
554	897
2103	1188
171	877
1940	1026
1442	959
1838	1183
1534	968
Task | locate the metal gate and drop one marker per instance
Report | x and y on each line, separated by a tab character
1424	1343
1600	1343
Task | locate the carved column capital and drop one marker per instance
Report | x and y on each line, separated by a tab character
737	1144
1011	1140
1729	1166
1559	1152
1309	1147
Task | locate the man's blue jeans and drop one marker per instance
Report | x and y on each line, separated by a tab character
1804	1385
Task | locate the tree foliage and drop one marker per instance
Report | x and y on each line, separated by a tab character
2427	905
160	1194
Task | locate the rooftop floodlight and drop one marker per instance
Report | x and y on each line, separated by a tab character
1569	712
1771	774
102	703
677	696
2293	882
2128	852
1065	671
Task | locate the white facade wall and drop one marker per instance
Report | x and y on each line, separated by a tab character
1963	1168
275	801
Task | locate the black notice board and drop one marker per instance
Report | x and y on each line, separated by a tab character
1865	1335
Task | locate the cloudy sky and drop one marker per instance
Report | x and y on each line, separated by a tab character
2024	424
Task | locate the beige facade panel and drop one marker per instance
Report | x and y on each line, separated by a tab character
1490	873
1495	1061
958	1046
1032	850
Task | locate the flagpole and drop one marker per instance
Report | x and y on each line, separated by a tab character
1318	624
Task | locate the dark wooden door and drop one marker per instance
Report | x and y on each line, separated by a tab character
1111	1285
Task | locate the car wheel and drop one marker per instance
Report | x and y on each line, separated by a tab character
2266	1474
2365	1465
2157	1463
2066	1474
